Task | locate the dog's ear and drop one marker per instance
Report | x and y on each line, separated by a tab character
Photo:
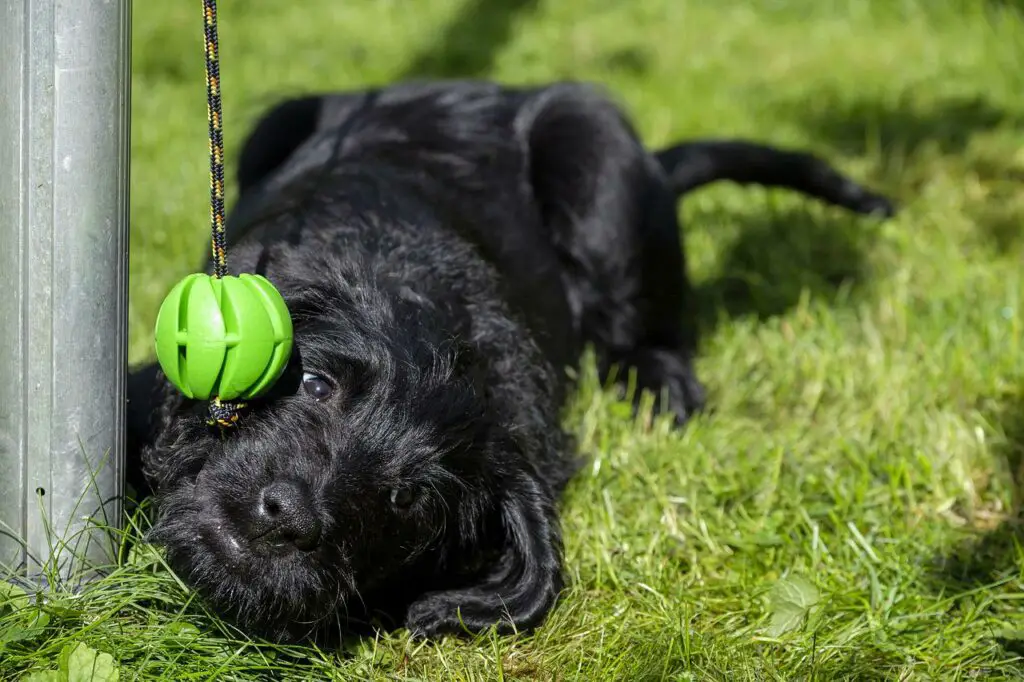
522	584
278	133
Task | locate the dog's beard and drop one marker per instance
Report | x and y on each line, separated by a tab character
204	526
366	548
285	596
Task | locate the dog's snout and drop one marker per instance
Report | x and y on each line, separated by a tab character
284	513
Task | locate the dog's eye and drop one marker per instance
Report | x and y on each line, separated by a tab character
402	497
316	387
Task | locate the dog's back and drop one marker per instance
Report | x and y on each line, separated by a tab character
462	148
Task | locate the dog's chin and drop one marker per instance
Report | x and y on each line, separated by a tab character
266	591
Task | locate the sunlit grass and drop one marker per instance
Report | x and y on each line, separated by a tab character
866	379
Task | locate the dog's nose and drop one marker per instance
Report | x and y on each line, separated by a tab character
284	513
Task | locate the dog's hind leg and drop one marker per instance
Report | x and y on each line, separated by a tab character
612	217
661	359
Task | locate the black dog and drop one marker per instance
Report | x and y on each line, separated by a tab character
446	251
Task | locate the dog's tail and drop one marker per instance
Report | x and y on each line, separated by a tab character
692	164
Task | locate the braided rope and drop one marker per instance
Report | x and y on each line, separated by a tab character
213	108
222	414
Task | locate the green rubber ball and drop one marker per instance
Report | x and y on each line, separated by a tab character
227	337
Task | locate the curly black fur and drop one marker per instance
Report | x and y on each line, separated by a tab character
446	251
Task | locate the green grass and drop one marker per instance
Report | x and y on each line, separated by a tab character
866	379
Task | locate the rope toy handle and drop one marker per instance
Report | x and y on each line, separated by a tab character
222	338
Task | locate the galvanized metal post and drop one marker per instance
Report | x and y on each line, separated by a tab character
64	140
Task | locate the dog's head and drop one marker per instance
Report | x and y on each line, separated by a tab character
369	465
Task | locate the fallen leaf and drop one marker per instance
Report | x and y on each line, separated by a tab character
790	602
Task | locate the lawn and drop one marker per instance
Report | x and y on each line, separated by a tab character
847	508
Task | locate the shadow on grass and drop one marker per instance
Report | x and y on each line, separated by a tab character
993	557
469	44
1013	5
777	256
1002	225
910	139
902	127
905	137
998	210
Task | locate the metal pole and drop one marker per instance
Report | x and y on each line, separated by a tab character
64	140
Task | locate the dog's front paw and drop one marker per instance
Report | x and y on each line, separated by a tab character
521	586
434	615
446	613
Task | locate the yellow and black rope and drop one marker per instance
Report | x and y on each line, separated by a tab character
222	414
213	107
